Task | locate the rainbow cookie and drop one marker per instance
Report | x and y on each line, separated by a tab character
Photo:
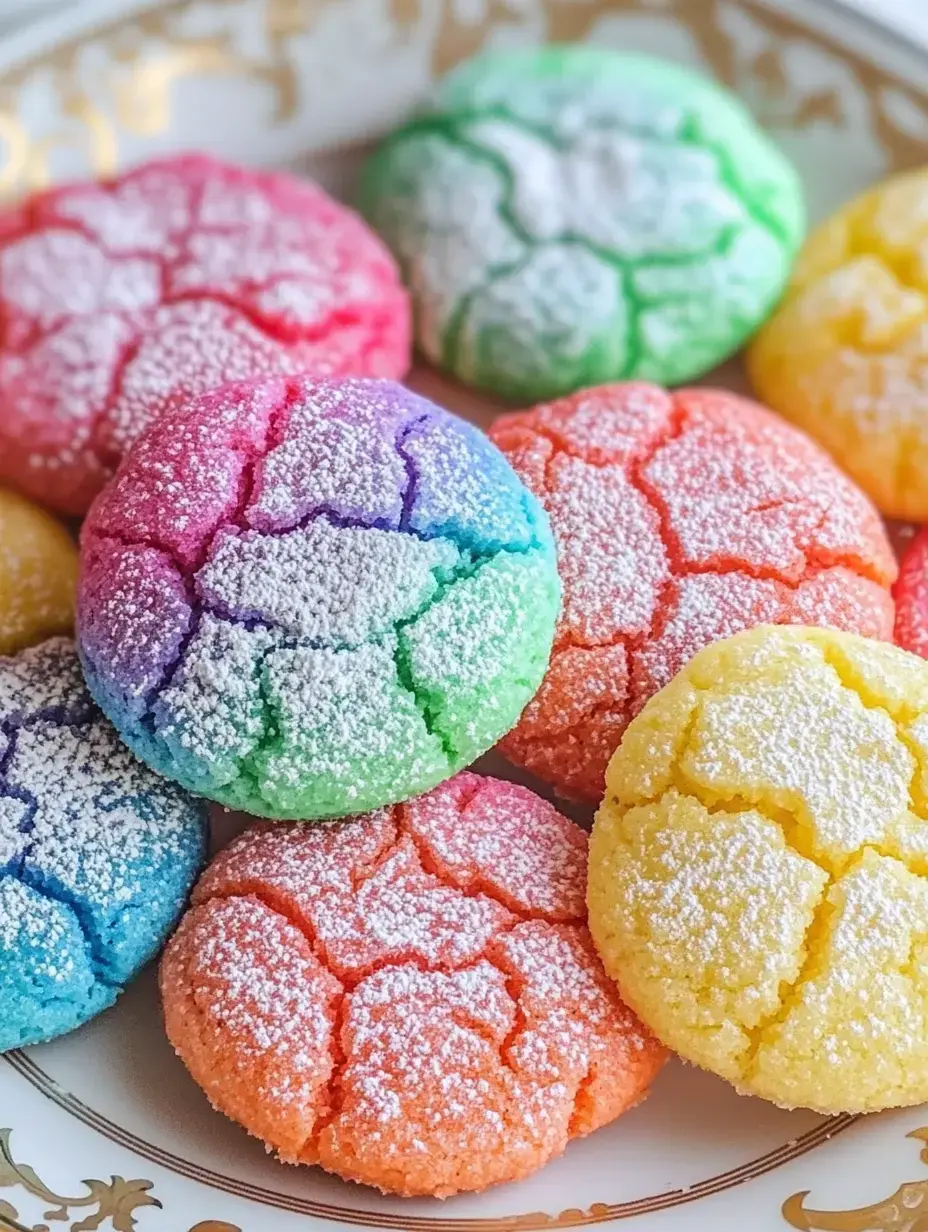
759	868
846	355
97	853
167	281
680	519
38	574
302	599
569	215
410	998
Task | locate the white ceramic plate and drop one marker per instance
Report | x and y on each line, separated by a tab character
308	83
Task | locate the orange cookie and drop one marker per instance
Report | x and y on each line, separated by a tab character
411	998
680	519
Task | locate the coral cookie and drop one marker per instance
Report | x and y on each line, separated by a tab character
846	357
571	215
411	998
679	519
170	280
759	868
911	594
97	854
38	574
303	599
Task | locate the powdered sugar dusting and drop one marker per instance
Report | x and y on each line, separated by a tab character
505	840
567	216
309	598
85	826
765	907
465	1032
202	273
679	520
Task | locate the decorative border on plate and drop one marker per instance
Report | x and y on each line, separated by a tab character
600	1212
137	100
133	89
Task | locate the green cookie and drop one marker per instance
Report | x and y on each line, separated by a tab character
570	216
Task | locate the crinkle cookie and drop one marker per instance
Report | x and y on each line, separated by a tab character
571	215
759	868
411	998
680	519
38	574
304	599
167	281
97	853
911	595
846	356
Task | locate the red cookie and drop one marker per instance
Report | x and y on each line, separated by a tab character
181	275
911	593
411	998
680	519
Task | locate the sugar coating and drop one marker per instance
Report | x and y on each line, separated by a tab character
571	215
97	853
38	574
911	595
680	519
304	598
410	998
167	281
759	868
846	356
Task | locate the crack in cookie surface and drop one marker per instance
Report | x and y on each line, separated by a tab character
352	595
448	1011
180	275
761	889
97	854
563	224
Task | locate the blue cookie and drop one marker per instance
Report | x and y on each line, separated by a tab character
97	853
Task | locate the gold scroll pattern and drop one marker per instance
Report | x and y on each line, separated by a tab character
106	1204
138	62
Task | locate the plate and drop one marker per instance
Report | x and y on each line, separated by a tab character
104	1130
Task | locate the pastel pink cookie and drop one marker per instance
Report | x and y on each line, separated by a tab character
179	276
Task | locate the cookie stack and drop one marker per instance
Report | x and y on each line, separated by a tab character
313	596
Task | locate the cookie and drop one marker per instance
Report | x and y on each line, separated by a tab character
38	574
178	276
679	519
569	215
411	998
846	355
911	594
758	871
97	853
307	598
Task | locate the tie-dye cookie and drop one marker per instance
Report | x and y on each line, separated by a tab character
97	853
175	277
571	215
411	998
680	519
308	598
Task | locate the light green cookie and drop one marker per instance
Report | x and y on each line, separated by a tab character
570	216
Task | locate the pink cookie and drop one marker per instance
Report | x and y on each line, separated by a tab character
179	276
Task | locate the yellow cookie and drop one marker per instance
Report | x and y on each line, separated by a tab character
38	574
759	868
846	355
